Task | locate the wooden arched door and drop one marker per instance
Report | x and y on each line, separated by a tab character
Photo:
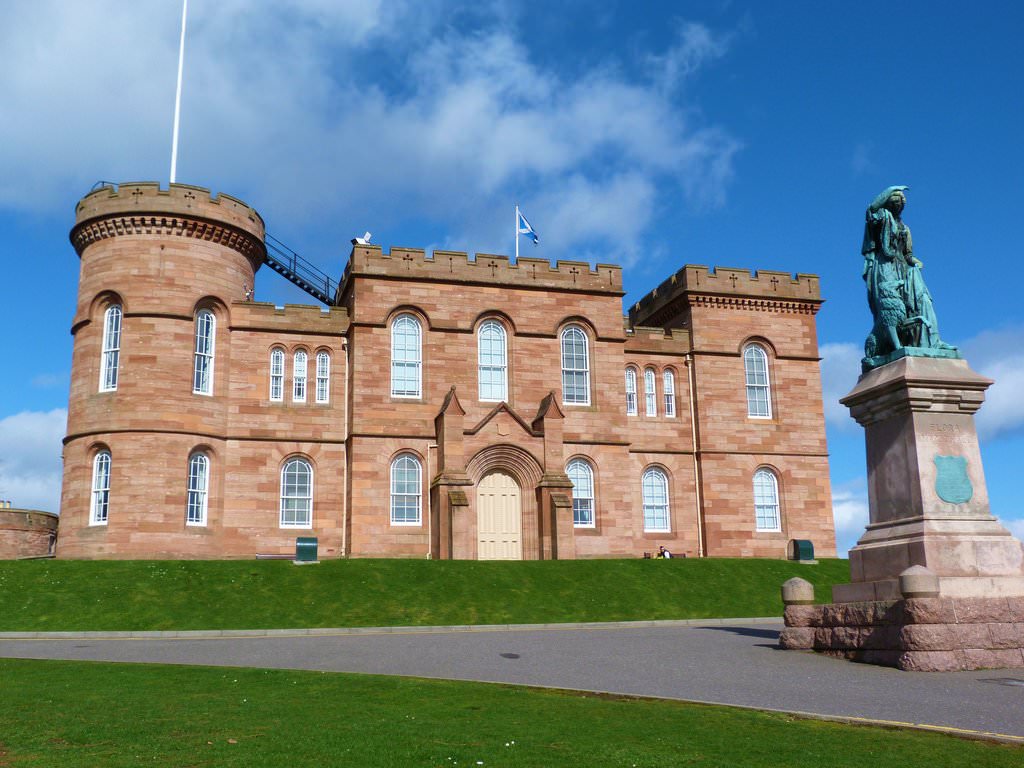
499	518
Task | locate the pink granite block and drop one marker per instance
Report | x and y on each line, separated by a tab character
797	638
929	610
931	661
928	637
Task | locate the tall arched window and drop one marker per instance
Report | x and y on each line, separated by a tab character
575	367
202	378
650	396
582	476
110	357
406	357
297	494
299	365
406	490
766	501
277	375
198	489
655	496
631	392
323	377
492	361
755	364
669	379
99	503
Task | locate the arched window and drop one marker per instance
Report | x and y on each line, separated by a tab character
669	379
406	490
766	501
277	375
655	495
406	357
650	396
202	378
299	364
582	476
492	361
111	348
759	400
575	367
297	494
323	377
198	488
99	504
631	392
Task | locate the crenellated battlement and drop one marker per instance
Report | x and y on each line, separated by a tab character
485	268
292	318
762	288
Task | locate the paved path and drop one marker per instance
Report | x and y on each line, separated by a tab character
728	664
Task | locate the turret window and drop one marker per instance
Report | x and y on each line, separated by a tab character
297	494
766	501
406	357
406	490
198	489
110	357
99	504
202	373
755	365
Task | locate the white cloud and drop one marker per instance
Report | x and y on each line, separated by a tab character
1016	527
999	354
850	511
840	369
314	110
30	464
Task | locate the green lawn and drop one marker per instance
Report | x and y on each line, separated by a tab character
65	595
57	714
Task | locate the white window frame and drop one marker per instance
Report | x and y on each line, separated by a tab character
406	357
581	473
575	366
669	389
205	338
767	512
323	377
300	368
759	389
492	362
303	497
99	498
631	403
402	498
110	356
657	507
198	489
277	375
650	393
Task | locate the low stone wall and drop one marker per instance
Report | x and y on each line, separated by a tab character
26	533
929	634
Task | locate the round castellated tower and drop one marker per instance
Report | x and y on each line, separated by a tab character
151	363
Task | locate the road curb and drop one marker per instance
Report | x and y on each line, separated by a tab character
199	634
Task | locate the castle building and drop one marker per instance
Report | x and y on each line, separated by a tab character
434	406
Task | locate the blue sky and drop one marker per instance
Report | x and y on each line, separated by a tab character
648	134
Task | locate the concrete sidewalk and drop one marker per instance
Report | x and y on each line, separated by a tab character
736	663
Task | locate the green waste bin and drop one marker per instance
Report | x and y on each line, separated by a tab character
305	549
801	549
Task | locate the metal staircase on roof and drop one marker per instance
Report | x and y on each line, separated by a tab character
296	269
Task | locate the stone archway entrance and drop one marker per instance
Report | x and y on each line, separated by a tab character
499	515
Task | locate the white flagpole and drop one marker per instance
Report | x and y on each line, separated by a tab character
517	234
177	96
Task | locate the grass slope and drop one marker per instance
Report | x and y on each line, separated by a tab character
65	595
57	714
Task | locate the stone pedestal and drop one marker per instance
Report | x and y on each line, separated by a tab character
931	535
927	498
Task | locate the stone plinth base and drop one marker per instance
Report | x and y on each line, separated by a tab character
928	634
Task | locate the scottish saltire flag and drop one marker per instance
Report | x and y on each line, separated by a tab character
523	227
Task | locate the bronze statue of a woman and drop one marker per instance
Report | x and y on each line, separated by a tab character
904	316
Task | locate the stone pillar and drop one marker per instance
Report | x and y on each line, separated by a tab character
449	506
554	492
926	487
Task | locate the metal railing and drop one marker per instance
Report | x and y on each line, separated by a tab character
302	273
